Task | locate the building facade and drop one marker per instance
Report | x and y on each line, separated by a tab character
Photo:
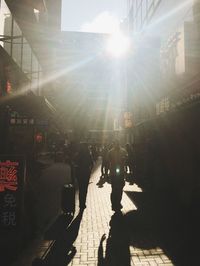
168	49
18	50
27	41
140	13
26	52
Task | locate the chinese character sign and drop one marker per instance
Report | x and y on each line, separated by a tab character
8	175
128	120
11	190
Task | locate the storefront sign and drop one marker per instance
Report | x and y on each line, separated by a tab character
128	120
12	173
22	121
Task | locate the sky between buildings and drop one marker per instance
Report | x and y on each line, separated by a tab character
92	15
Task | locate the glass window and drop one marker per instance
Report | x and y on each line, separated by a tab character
5	22
17	44
34	74
12	40
7	33
27	58
150	3
143	10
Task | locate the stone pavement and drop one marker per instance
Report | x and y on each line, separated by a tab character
95	223
98	236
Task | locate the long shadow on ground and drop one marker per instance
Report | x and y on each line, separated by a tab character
136	228
161	222
58	228
131	229
62	250
117	251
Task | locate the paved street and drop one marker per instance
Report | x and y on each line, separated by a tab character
98	237
77	83
96	222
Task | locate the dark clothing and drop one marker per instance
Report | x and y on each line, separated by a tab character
130	157
117	184
83	170
117	159
83	187
104	165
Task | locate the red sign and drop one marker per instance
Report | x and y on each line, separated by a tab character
12	174
38	138
8	87
8	175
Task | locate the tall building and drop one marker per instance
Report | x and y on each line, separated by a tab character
27	43
168	48
140	13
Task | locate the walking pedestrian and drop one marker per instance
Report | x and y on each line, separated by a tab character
84	164
130	164
117	160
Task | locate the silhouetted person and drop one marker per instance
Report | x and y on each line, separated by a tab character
70	157
104	165
94	152
84	164
130	162
117	159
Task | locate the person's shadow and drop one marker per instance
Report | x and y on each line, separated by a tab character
62	250
133	229
117	251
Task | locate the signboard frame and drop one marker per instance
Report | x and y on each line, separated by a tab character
12	183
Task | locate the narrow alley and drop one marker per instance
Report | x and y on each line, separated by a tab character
98	237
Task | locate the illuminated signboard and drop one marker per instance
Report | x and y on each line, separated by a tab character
12	172
22	121
28	121
128	120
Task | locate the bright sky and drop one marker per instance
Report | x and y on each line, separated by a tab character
92	15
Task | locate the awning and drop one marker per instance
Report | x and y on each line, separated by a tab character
31	106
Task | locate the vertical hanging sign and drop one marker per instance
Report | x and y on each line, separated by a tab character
12	174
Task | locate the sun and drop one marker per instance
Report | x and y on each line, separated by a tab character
118	45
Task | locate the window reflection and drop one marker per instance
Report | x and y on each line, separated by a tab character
12	40
141	12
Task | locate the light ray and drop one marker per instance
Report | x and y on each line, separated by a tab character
47	80
170	14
